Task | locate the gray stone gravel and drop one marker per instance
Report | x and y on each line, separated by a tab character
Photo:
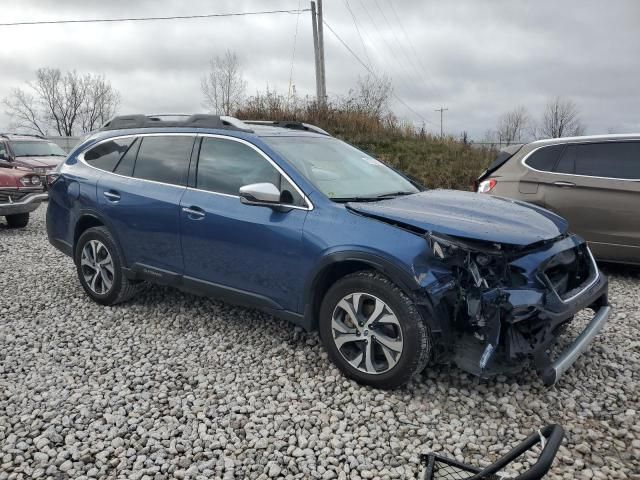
171	385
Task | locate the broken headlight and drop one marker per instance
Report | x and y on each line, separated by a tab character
483	263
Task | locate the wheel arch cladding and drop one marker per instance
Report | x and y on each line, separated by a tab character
85	222
339	264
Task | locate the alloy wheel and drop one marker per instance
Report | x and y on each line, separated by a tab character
97	267
367	333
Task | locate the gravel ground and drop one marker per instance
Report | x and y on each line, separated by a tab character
171	385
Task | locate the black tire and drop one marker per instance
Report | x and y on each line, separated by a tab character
416	335
122	288
17	220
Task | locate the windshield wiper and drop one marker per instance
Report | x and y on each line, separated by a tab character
394	194
354	199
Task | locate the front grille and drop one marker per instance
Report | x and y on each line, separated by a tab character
12	196
570	271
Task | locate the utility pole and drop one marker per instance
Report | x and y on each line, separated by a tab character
318	48
323	79
441	110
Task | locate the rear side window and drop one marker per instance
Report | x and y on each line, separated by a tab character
106	155
611	159
164	159
226	165
545	158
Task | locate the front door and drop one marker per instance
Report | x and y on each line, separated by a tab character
252	251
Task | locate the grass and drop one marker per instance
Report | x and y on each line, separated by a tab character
435	162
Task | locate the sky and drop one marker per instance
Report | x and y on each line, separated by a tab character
478	59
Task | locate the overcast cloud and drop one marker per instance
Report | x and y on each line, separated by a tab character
479	59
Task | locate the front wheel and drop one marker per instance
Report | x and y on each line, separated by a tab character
373	331
17	220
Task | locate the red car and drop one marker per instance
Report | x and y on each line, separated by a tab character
31	151
21	192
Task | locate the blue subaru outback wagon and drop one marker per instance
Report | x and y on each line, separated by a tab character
283	217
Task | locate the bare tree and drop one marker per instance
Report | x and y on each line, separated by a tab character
561	119
24	110
64	102
223	86
370	96
512	126
101	103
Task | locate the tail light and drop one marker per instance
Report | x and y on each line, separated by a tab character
486	186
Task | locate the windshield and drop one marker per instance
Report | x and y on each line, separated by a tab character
36	149
340	171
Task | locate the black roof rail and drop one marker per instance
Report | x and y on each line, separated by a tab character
288	124
172	120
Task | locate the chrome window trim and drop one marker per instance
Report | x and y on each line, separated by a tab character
526	165
84	162
81	159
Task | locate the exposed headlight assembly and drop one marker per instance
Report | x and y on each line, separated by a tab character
30	180
444	246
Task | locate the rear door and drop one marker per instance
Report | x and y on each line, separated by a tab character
250	251
141	199
596	186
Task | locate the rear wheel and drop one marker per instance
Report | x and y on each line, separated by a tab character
373	331
17	220
99	266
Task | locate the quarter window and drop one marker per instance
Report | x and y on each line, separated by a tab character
226	165
611	159
106	155
164	159
545	158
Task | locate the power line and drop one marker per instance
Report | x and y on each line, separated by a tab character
413	49
394	55
372	73
145	19
358	30
393	31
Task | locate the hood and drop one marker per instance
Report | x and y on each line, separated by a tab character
10	177
39	162
474	216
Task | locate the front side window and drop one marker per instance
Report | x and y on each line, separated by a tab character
36	149
607	159
340	171
226	165
164	159
106	155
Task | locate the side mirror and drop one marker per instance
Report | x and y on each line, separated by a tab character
264	194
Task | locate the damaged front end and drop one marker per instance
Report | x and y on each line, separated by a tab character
508	303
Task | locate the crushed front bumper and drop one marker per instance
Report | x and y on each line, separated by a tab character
509	327
26	204
553	371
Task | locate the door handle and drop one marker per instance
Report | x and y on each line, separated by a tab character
193	211
112	196
560	183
